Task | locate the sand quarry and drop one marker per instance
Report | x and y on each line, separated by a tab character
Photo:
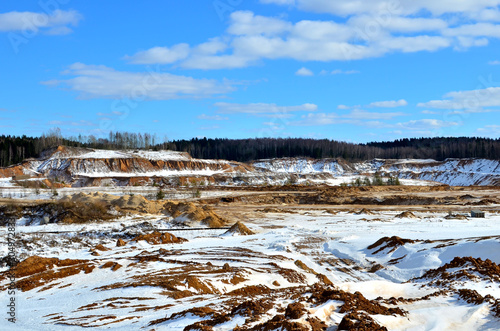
282	258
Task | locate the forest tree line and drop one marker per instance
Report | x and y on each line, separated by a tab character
15	149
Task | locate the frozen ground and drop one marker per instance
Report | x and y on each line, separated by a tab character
154	282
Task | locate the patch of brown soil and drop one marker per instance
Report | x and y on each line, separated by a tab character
396	301
324	279
101	248
451	216
120	242
316	324
295	310
278	322
406	214
108	264
352	301
207	325
471	296
157	238
194	213
359	321
389	242
252	309
495	308
36	271
364	211
292	276
250	291
239	228
217	318
304	267
237	279
467	268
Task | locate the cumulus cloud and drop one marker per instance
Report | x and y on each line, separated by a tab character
304	72
98	81
372	28
55	23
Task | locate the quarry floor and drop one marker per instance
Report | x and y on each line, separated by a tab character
403	258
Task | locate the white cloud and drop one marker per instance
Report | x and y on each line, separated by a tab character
494	63
98	81
262	109
246	23
313	119
378	104
425	124
357	117
489	131
55	23
212	118
344	72
304	72
406	7
372	28
366	115
471	100
389	104
160	55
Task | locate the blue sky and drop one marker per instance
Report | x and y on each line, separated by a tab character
366	70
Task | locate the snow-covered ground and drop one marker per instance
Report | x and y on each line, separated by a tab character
335	245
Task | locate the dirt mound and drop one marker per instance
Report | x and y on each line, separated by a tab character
452	216
389	242
472	296
352	301
252	290
197	311
304	267
278	322
157	238
130	201
120	242
252	309
464	268
295	310
187	213
364	212
406	214
101	248
36	271
239	229
359	321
